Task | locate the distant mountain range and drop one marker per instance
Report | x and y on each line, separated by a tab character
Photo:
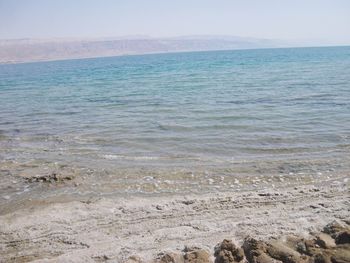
30	50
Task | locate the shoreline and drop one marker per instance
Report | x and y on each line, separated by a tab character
119	160
119	228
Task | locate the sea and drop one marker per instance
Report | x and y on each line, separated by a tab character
189	122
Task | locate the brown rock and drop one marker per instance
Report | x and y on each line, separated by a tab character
293	241
227	245
51	178
224	256
251	244
335	254
279	251
341	255
264	258
170	258
321	258
343	237
311	247
334	228
255	251
227	252
238	254
134	259
167	258
325	241
196	255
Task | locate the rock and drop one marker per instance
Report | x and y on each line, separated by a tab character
343	238
159	207
224	256
188	202
255	251
101	258
341	255
264	194
196	255
227	252
340	233
321	258
50	178
134	259
323	249
301	247
238	254
170	258
227	245
331	246
279	251
296	243
318	254
333	229
167	258
311	247
325	241
191	255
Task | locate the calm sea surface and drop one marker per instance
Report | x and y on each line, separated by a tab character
176	122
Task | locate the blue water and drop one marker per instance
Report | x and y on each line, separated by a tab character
242	113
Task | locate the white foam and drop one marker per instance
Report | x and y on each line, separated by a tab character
116	157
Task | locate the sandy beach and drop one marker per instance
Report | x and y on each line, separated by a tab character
141	229
222	156
174	131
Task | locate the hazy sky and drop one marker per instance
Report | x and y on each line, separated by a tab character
282	19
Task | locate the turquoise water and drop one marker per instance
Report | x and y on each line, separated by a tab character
224	113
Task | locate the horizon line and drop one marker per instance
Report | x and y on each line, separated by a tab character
143	36
170	52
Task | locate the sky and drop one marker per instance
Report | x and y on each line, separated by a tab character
324	20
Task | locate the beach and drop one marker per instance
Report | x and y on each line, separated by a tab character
160	158
116	229
174	131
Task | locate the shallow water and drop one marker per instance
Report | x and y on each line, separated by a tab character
177	118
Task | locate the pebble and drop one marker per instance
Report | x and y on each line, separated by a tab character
148	178
211	181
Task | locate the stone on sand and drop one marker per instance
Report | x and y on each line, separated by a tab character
196	255
325	241
256	251
279	251
227	252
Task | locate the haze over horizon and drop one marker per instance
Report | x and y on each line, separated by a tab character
316	21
